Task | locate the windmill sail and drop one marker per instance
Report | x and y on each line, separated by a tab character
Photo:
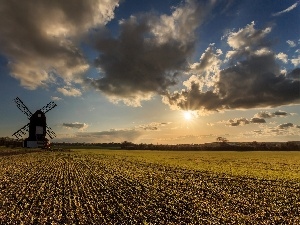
23	107
18	134
48	107
50	132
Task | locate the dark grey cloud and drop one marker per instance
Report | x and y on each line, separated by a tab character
280	113
295	74
258	120
149	53
267	115
40	38
193	99
75	125
285	125
255	83
253	80
243	121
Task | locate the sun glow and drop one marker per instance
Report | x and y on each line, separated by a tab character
187	115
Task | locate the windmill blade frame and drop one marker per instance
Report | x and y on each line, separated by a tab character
48	107
50	132
22	131
23	107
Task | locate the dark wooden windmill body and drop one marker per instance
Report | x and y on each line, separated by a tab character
37	126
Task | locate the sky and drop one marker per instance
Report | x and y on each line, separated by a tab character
161	72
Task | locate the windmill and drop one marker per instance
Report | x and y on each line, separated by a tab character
37	127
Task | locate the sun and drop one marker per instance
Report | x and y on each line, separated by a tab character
187	115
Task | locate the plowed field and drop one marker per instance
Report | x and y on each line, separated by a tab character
78	188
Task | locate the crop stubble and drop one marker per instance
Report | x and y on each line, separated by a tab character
65	188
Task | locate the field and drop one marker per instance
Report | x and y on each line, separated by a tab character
149	187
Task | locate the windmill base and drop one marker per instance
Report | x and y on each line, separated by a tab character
34	144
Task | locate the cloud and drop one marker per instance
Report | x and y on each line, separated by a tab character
237	122
285	125
280	113
286	10
258	120
248	41
54	98
291	43
205	71
243	121
152	126
296	58
76	125
284	130
113	135
267	115
149	53
295	74
296	61
69	91
40	39
253	78
282	56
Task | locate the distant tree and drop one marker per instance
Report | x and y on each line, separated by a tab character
222	139
126	144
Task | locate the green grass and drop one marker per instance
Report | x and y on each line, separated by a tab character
256	164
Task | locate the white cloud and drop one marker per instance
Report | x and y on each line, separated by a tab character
283	71
69	91
291	43
296	61
262	52
131	99
182	23
76	125
54	98
282	56
206	70
239	40
286	10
